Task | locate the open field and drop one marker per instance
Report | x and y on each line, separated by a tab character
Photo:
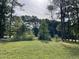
38	50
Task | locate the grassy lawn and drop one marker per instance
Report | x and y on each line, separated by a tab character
38	50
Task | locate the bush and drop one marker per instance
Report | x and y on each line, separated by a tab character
28	37
24	37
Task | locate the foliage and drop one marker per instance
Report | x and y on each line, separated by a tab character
16	24
24	37
52	25
29	36
3	17
6	15
59	27
23	34
43	31
50	7
35	31
20	32
69	10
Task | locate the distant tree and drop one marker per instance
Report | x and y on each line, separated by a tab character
35	31
52	27
43	31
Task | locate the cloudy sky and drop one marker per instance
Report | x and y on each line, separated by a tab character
34	7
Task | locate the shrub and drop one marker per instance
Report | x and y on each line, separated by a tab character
23	34
24	37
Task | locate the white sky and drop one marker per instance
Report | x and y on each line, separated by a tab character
34	7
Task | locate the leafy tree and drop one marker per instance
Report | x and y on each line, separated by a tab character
9	23
43	31
35	31
6	11
3	17
69	10
52	24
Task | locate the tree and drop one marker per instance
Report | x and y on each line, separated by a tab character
3	17
68	10
43	31
35	31
10	10
6	11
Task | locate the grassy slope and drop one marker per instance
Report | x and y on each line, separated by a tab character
38	50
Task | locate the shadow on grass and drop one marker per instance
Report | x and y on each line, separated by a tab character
73	50
9	41
45	41
72	42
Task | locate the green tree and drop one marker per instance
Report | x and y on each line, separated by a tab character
3	16
43	31
6	11
69	10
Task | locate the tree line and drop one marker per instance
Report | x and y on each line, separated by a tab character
42	28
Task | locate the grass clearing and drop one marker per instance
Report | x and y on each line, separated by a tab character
38	50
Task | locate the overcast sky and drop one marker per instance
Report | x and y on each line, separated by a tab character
34	7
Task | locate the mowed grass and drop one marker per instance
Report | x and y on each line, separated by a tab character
38	50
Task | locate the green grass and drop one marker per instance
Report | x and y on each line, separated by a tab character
38	50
